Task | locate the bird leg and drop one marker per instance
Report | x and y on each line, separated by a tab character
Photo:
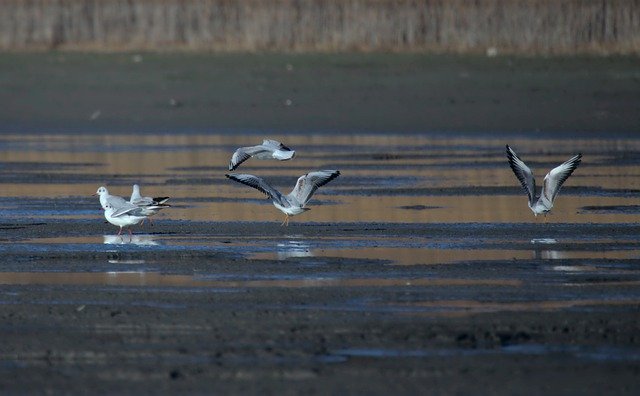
120	232
286	221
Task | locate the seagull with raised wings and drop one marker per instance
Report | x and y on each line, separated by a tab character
293	203
541	204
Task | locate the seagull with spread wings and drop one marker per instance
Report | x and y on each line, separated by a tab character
269	149
293	203
552	181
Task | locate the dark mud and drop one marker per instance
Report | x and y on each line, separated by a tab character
371	93
167	318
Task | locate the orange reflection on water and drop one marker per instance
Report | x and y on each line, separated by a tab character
193	166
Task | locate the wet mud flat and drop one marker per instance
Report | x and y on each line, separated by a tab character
420	267
97	314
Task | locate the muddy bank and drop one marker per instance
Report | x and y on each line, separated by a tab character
345	93
127	318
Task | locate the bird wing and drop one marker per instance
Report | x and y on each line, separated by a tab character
276	145
244	153
141	201
160	200
523	173
309	183
116	201
558	175
257	183
126	208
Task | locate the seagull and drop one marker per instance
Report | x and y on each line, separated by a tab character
123	217
119	211
293	203
150	206
552	181
107	199
267	150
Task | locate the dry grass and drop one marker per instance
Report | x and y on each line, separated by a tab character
460	26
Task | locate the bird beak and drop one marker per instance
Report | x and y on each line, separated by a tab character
94	194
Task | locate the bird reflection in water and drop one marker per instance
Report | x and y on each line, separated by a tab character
543	252
140	240
294	247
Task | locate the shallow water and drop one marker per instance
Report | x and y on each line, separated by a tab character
385	180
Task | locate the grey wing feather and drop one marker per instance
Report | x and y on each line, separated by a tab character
116	201
257	183
127	208
275	145
244	153
558	175
523	173
309	183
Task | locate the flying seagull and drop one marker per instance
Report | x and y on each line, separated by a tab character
552	181
269	149
293	203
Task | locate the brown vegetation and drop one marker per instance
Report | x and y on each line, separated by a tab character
516	26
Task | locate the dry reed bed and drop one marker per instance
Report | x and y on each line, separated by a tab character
515	26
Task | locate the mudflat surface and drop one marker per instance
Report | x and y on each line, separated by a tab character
419	268
366	93
142	318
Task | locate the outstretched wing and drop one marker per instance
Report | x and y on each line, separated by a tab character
558	175
257	183
309	183
276	145
523	173
244	153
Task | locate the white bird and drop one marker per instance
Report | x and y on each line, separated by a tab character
107	199
293	203
122	217
269	149
150	206
552	181
120	212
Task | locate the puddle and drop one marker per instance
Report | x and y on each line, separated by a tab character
576	351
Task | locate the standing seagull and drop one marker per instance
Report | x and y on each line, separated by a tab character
293	203
123	217
552	181
150	206
120	212
267	150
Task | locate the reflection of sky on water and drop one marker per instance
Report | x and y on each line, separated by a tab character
293	247
125	239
